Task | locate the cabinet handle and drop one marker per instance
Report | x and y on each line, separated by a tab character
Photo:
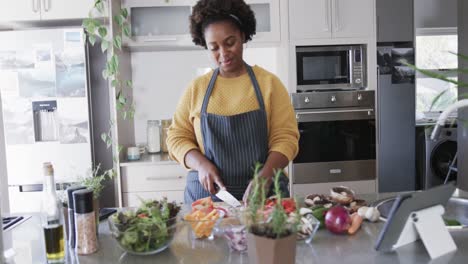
337	16
35	4
327	16
46	4
163	178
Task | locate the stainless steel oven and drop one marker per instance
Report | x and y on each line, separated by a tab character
331	67
337	137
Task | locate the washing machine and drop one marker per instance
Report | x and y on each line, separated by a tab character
439	156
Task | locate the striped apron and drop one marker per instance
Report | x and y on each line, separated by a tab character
234	144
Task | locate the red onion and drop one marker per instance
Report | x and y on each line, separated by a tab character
337	219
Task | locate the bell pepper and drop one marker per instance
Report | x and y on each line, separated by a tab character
204	204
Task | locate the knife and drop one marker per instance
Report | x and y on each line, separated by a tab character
225	196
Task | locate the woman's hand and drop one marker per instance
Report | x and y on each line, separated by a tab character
245	198
208	175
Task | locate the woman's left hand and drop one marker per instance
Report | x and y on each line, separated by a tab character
245	198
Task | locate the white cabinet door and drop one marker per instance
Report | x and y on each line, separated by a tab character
267	15
352	19
65	9
20	10
309	19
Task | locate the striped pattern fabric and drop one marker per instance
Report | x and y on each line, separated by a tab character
233	143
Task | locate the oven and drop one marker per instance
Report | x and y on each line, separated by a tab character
330	67
337	138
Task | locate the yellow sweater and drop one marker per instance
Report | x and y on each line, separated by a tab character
233	96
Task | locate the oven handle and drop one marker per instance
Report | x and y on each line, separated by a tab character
325	115
369	111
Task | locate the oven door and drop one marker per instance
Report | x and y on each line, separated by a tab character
327	68
336	145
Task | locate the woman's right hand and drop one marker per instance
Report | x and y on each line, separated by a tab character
208	175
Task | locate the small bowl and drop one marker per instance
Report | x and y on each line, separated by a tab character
203	228
308	228
131	241
342	195
236	237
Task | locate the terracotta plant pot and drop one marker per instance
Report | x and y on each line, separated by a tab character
262	250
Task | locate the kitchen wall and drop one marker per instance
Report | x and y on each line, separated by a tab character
462	180
3	169
435	13
159	79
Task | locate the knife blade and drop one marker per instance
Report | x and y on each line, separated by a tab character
225	196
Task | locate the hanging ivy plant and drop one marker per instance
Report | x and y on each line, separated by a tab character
97	30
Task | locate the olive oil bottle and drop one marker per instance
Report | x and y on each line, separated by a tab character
52	218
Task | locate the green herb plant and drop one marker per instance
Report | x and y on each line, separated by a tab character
96	180
278	224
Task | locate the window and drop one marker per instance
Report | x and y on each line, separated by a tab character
433	53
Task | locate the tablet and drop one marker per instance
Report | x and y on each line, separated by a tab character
403	206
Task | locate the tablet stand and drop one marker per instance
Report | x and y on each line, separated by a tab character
428	225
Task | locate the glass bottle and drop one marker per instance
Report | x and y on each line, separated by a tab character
165	124
85	223
52	218
153	133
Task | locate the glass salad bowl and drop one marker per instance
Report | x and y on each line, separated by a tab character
140	233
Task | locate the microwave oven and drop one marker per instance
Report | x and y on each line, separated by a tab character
331	67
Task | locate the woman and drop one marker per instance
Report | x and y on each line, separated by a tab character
234	116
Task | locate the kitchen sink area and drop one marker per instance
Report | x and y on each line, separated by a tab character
456	209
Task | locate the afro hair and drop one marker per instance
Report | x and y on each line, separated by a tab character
206	12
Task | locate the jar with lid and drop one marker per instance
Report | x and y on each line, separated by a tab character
85	223
153	133
165	124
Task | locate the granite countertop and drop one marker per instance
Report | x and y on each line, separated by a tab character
325	247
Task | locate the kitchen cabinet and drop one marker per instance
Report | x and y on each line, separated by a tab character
326	19
151	181
267	15
34	10
159	22
394	20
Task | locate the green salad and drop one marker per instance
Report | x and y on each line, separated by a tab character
147	228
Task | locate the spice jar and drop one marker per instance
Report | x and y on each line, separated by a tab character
153	133
85	223
165	124
71	215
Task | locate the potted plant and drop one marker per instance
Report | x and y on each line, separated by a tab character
95	182
271	236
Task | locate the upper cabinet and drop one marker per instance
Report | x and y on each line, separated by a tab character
159	22
320	19
267	15
34	10
165	24
65	9
394	20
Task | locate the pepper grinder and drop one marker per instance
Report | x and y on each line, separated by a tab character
85	222
71	215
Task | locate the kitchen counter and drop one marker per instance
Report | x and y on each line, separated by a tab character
149	159
325	248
